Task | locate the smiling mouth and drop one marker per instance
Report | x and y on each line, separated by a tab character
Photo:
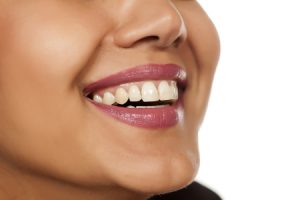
148	96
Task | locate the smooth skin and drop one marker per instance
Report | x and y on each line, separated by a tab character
53	143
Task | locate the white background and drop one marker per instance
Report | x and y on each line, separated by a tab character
249	142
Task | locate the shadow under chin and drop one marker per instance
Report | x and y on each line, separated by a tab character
194	191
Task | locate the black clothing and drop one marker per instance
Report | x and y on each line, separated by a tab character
195	191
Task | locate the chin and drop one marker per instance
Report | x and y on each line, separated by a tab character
159	175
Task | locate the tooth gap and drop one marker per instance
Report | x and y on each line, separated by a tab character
90	96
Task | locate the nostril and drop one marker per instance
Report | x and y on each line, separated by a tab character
148	39
157	39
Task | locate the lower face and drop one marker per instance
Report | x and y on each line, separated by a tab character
50	51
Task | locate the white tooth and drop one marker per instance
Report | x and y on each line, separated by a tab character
130	107
134	93
158	106
108	98
149	92
121	96
141	107
165	92
97	98
174	90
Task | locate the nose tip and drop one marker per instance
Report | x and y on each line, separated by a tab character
160	25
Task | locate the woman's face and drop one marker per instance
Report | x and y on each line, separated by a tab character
52	50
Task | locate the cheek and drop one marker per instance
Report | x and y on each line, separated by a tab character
41	56
203	47
38	61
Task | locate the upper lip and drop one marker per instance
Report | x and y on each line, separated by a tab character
141	73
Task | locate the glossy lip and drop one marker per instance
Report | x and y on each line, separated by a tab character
162	117
141	73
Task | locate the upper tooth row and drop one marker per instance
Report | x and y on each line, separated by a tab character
148	93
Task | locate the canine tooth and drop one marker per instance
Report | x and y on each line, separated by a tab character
174	90
149	92
97	98
108	98
165	92
121	96
134	93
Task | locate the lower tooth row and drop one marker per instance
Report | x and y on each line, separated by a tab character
158	106
148	93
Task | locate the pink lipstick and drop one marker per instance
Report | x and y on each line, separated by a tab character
162	116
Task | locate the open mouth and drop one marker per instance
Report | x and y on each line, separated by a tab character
147	96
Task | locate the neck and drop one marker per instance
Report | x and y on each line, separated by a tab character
20	185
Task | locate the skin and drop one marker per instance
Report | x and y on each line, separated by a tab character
53	143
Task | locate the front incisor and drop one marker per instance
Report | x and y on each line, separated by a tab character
165	92
149	92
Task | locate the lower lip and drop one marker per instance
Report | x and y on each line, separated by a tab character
161	117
